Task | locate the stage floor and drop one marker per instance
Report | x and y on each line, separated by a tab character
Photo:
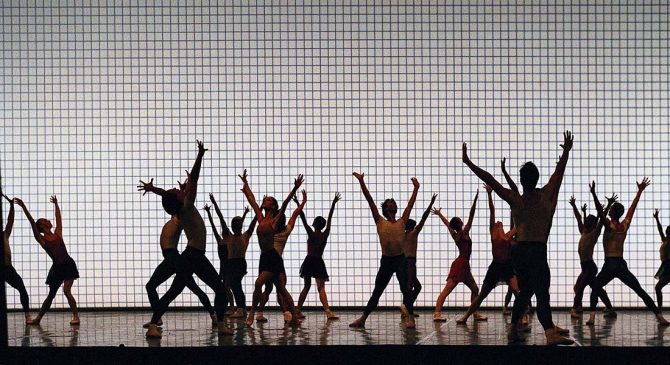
193	329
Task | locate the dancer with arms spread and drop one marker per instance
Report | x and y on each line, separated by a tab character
533	212
663	273
391	232
615	266
271	263
460	269
313	266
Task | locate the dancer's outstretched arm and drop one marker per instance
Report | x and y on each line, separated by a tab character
503	192
33	225
438	212
211	221
373	208
191	189
250	195
471	217
578	217
412	200
298	210
10	217
492	208
640	188
296	185
509	180
424	217
659	226
336	199
59	219
554	184
303	218
224	227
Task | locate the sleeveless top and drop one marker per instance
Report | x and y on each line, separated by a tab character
279	239
464	247
55	248
316	244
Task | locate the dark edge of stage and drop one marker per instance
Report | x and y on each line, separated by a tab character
375	354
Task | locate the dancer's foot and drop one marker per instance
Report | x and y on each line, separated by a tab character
153	332
250	319
462	320
609	313
239	313
574	313
437	317
159	323
359	323
75	320
331	316
661	320
592	319
260	317
224	330
288	317
554	338
480	317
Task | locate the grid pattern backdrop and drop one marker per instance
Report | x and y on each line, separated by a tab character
97	95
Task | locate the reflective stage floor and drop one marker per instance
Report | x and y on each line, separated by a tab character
633	332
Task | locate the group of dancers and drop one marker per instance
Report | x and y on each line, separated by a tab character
519	253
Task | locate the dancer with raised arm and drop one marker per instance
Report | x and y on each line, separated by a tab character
615	266
193	260
409	248
280	239
663	273
391	232
233	249
313	266
64	269
8	271
533	212
590	231
169	240
271	264
460	268
500	270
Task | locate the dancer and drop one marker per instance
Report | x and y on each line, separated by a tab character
663	273
193	260
409	248
460	268
64	269
7	271
615	266
271	263
313	265
171	263
533	212
279	241
391	233
224	249
236	244
590	231
500	270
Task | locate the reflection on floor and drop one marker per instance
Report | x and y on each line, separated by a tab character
181	329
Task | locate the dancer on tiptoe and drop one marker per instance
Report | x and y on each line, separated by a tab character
313	266
460	268
615	266
533	212
391	233
64	269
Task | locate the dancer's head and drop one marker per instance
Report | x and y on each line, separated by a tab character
389	208
44	225
456	224
529	176
409	226
616	211
236	225
319	223
172	201
590	222
270	204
